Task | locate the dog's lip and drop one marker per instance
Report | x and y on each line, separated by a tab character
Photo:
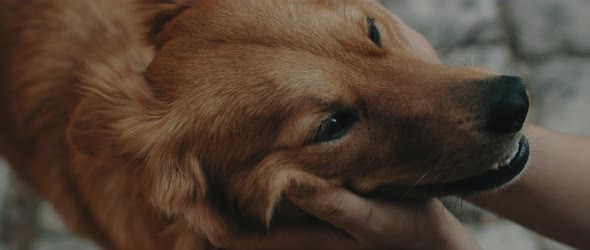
491	179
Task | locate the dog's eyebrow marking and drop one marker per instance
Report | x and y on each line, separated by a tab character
374	33
321	104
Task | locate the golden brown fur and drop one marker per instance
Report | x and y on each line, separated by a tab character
151	125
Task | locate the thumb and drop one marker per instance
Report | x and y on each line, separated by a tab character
336	206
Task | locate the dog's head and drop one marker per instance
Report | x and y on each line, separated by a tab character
244	97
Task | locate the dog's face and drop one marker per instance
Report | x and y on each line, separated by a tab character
255	94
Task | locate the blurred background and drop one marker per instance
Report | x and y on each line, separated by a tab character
545	41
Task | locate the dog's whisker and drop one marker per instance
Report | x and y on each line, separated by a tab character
457	61
415	184
436	176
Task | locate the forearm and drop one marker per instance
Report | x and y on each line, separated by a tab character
553	196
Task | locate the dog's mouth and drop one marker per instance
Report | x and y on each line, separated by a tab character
497	176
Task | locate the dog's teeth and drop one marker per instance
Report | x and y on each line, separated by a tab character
496	166
506	162
502	164
514	152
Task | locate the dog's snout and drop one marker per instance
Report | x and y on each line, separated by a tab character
507	105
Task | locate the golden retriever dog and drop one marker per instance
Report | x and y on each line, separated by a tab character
160	124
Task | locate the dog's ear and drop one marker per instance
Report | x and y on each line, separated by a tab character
286	180
120	119
267	185
116	103
158	13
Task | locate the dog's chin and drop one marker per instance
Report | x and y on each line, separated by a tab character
499	175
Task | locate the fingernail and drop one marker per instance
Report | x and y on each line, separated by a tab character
298	191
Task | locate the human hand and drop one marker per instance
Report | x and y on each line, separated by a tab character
369	224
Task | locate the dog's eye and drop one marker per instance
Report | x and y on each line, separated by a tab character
336	126
374	33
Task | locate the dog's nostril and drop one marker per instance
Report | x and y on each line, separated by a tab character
507	105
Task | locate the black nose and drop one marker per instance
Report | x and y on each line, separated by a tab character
507	105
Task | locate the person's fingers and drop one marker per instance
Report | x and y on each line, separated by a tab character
355	215
371	224
346	211
369	221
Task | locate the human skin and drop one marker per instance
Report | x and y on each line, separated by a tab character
368	224
553	195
